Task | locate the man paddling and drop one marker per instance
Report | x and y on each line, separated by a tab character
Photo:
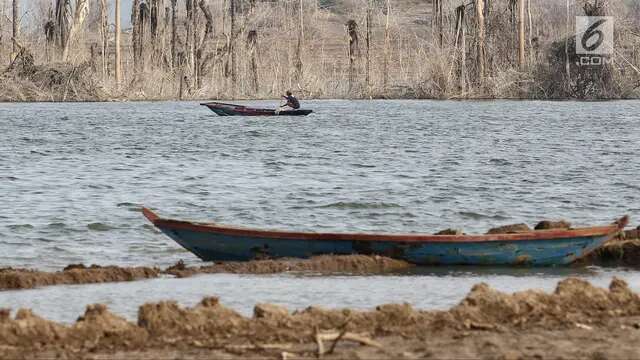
292	102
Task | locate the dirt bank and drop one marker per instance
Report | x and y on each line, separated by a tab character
576	321
11	278
616	253
351	264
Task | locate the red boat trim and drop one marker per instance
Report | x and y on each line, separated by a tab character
292	235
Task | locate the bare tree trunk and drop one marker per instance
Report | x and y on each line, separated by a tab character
298	59
352	34
16	27
530	23
481	56
252	46
135	34
201	58
368	48
62	19
104	38
174	34
566	47
189	31
461	40
2	14
521	34
437	22
232	50
385	62
463	58
117	40
82	10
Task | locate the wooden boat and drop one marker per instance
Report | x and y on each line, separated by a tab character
223	109
214	242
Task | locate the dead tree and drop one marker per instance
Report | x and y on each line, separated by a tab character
174	34
62	23
461	34
353	50
16	27
368	48
437	22
385	62
155	31
201	60
298	55
49	35
104	37
80	14
231	46
140	22
117	45
252	50
135	33
189	36
521	35
480	41
2	15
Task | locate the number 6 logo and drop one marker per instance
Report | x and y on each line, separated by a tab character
594	35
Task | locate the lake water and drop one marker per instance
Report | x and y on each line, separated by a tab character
73	176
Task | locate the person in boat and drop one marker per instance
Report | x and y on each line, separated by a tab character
292	102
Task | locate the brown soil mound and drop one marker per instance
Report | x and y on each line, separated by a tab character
547	225
74	274
11	279
509	229
353	264
389	330
622	252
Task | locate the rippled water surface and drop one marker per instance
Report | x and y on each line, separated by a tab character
73	176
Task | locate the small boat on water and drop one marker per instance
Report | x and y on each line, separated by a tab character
223	109
214	242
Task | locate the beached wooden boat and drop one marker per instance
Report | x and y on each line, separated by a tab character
223	109
214	242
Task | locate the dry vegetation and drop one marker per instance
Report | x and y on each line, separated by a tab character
197	49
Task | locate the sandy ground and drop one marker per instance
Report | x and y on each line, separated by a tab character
577	320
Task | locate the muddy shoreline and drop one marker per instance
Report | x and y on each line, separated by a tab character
17	278
576	320
620	252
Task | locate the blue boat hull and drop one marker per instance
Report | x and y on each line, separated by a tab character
223	247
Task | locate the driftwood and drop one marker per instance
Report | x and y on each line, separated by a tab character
336	337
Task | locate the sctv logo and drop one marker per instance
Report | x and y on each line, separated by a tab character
594	40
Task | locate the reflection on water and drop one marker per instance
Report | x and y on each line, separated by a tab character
425	288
